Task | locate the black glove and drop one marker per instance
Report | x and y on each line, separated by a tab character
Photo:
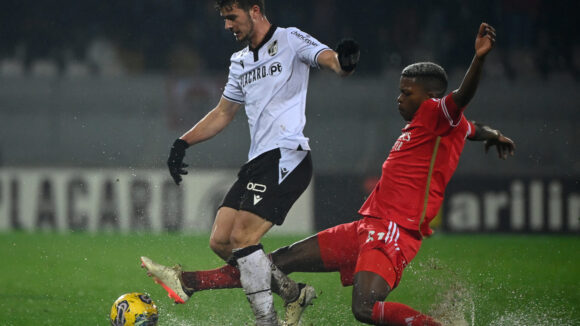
348	54
175	160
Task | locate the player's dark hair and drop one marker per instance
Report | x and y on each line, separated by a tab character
430	75
242	4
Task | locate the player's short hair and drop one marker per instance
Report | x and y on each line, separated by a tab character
242	4
430	75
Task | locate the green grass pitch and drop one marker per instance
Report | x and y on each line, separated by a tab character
73	279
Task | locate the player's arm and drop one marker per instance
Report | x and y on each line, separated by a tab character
213	122
343	60
484	42
493	137
210	125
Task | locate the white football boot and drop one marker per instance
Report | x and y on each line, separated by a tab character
169	278
295	308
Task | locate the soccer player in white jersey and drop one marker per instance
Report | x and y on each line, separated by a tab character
269	77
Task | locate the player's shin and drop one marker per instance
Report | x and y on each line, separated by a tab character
393	313
225	277
284	286
255	276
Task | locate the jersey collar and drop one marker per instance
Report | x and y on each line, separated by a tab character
267	37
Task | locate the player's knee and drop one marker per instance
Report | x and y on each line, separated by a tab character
241	239
362	311
221	247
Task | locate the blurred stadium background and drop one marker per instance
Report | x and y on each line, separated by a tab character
93	93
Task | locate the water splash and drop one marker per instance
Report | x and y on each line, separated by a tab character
456	306
460	301
526	318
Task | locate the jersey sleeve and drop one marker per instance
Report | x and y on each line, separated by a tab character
440	115
233	90
470	128
306	47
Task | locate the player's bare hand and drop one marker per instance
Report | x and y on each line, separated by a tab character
504	145
485	40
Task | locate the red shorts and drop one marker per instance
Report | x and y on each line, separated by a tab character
375	245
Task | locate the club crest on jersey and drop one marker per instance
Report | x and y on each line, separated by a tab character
273	48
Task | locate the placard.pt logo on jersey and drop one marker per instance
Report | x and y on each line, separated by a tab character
259	73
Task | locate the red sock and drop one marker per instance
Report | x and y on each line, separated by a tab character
392	313
225	277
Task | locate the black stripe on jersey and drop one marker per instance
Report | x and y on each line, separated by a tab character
267	37
317	54
232	99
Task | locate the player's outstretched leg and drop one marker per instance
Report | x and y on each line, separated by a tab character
169	278
368	305
296	296
302	256
295	308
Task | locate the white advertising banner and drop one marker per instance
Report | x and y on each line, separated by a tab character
522	204
124	200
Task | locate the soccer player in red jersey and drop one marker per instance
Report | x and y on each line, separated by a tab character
371	253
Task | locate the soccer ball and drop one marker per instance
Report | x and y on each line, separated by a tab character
134	309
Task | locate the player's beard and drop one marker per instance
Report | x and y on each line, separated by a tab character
248	36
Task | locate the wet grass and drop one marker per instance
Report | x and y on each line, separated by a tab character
73	279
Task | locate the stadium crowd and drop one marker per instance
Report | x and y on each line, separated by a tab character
140	36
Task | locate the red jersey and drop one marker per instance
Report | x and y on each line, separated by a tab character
419	166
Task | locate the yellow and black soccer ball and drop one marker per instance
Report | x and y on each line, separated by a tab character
134	309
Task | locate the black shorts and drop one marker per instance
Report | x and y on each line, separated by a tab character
257	189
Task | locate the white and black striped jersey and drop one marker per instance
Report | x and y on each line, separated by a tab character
271	81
